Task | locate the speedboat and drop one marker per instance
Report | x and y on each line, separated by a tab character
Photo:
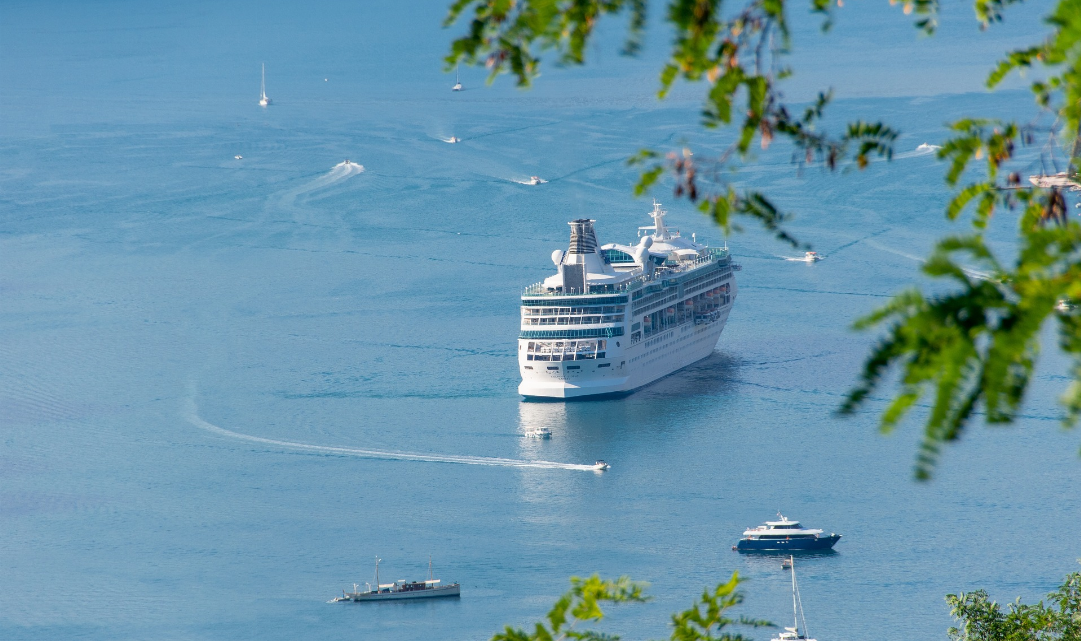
1064	305
784	535
238	157
793	633
347	162
600	466
454	139
927	147
535	180
807	257
540	432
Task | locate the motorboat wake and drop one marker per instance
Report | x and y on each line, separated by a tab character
807	257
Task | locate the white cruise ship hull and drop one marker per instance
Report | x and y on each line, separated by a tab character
627	370
615	318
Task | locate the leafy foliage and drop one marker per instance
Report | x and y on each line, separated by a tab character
971	346
739	56
980	619
706	620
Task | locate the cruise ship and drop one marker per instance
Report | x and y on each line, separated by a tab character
617	317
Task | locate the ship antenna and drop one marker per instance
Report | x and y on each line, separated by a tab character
429	567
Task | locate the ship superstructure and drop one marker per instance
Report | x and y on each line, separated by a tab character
616	317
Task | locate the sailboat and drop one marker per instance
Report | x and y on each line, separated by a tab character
793	633
263	100
457	82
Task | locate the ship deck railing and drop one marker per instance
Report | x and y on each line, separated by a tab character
709	255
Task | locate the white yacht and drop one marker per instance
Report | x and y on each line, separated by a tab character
617	317
263	100
399	590
793	633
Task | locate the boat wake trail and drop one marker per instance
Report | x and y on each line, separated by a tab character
923	150
339	172
191	414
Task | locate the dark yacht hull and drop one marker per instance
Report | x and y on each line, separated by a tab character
788	545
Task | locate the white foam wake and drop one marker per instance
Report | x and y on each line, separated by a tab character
922	150
191	413
339	172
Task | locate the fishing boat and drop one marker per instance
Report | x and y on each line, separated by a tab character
399	590
263	100
784	535
794	633
457	81
601	466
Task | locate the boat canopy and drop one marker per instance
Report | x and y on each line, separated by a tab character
432	581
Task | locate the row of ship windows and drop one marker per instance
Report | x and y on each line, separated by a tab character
713	282
652	304
564	357
573	320
568	311
698	279
551	347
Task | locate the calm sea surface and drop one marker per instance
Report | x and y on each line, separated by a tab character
161	302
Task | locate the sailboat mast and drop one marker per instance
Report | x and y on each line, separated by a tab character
262	83
377	574
795	610
799	601
429	567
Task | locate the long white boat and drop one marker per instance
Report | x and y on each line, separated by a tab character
617	317
398	590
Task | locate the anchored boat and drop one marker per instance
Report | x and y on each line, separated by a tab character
784	535
398	590
617	317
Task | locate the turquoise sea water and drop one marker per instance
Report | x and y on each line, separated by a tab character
155	291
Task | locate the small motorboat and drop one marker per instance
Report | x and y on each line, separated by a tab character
238	157
534	180
454	139
787	564
1064	305
540	432
600	466
927	147
807	257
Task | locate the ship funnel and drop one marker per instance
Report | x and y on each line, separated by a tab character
583	239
